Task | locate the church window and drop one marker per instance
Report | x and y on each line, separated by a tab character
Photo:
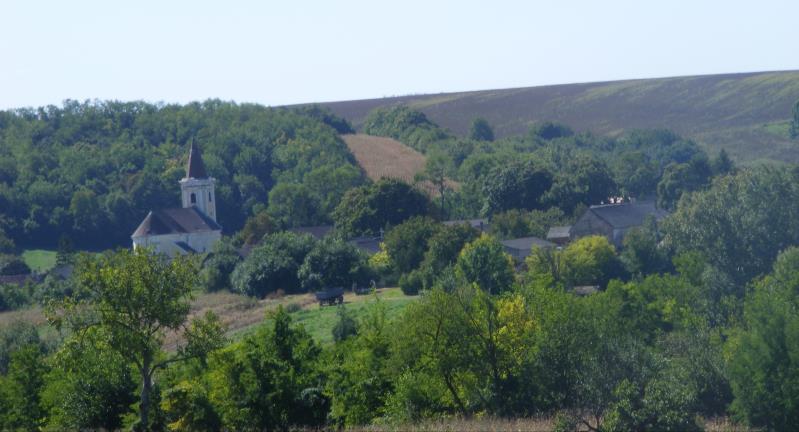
209	197
193	198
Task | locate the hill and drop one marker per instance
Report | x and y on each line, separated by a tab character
747	114
381	157
385	157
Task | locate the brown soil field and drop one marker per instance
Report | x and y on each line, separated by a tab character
382	157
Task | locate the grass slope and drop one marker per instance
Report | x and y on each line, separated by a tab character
747	114
39	260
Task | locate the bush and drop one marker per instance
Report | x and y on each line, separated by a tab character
411	283
13	265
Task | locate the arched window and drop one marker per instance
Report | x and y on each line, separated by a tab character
209	197
193	198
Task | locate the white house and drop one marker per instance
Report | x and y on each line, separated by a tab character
193	227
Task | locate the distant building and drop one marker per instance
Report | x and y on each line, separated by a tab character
521	248
614	220
190	229
560	235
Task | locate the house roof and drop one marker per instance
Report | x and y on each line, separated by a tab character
527	243
628	214
318	231
559	232
195	168
175	221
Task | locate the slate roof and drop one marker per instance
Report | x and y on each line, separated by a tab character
559	232
526	243
628	214
175	221
195	168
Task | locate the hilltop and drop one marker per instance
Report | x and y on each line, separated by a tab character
747	114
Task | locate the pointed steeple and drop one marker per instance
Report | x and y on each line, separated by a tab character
196	167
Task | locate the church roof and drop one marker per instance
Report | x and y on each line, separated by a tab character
195	167
175	221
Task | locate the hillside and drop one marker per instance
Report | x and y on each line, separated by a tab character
746	114
381	157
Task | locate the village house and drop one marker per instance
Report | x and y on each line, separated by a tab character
191	228
614	220
521	248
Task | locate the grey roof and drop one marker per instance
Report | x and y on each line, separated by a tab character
527	243
319	231
175	221
628	214
559	232
195	168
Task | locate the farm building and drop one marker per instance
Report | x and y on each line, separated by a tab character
521	248
614	220
559	235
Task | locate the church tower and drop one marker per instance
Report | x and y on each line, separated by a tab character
197	189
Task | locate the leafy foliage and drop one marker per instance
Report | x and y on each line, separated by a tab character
98	167
372	208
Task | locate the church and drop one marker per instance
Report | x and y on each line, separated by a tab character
190	229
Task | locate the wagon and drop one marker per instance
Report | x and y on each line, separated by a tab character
330	296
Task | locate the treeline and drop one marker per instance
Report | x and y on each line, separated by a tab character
90	171
551	165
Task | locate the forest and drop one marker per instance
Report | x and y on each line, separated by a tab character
694	318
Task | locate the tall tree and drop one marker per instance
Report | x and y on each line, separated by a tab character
481	130
134	299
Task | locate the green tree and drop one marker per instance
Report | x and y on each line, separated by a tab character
406	243
681	178
333	263
346	326
481	130
271	381
219	266
359	375
293	205
763	369
91	386
795	121
135	299
256	228
273	265
642	252
739	241
519	185
590	261
372	208
20	392
484	262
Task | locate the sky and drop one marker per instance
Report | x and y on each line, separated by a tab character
300	51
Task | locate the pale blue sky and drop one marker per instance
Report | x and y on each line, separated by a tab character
311	51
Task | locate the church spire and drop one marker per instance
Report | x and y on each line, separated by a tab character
196	167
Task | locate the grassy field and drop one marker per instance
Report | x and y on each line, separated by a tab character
39	260
240	314
746	113
383	157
